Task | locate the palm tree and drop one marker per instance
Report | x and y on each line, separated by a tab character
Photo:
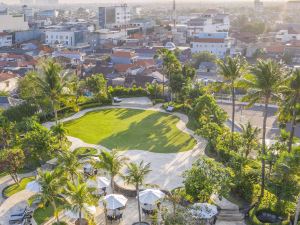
111	162
171	65
59	131
263	86
250	137
232	69
51	81
290	103
135	175
175	197
69	164
51	189
79	198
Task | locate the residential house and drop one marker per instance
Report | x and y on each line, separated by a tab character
215	43
5	39
8	82
287	35
123	57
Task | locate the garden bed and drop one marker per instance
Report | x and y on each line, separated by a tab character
14	188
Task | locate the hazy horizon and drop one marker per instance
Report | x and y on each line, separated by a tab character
135	1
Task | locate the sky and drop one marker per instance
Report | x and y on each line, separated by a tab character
118	1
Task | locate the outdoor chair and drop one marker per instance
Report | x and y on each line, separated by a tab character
170	109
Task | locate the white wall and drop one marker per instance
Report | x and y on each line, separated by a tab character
66	38
11	23
219	49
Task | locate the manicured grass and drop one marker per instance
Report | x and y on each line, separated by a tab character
41	215
132	129
85	151
16	188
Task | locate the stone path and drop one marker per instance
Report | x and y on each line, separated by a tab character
167	168
15	202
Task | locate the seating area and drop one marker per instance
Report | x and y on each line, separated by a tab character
22	217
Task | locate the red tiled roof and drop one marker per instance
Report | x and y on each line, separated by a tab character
124	54
122	68
209	40
4	34
145	63
275	49
7	76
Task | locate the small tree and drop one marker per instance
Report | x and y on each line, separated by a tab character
51	189
136	174
97	85
59	131
250	138
79	198
205	178
11	161
112	162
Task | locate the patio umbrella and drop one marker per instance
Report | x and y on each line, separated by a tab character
114	201
33	186
100	182
150	196
204	210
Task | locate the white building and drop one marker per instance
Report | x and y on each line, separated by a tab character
114	16
104	36
208	23
215	43
28	13
5	39
287	35
258	6
74	56
63	37
13	23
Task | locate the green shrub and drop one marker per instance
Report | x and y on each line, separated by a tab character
127	92
158	100
17	113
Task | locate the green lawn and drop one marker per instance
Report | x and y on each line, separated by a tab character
16	188
131	129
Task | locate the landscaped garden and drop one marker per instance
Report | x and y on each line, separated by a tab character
133	129
10	190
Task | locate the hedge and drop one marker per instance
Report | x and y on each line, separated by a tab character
127	92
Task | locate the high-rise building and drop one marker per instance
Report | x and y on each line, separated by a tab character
46	2
28	13
258	6
114	16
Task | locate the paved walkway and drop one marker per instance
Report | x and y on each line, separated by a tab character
167	168
15	202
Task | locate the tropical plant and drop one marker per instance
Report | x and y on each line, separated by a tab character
112	162
135	175
205	56
51	81
171	65
79	199
263	85
11	161
290	105
5	129
97	85
250	138
51	185
205	178
59	131
69	165
232	69
175	197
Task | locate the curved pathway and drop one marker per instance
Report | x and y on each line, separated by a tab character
167	168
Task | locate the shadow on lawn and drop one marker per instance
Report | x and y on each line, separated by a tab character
150	134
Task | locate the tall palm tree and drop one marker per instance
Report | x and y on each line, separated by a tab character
232	69
59	130
51	80
250	137
135	175
290	103
51	189
69	164
263	85
79	198
171	65
112	162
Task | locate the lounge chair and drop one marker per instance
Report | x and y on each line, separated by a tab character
170	108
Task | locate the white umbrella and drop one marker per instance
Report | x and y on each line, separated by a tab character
34	186
204	210
150	196
114	201
100	182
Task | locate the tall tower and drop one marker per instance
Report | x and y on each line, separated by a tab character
174	14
